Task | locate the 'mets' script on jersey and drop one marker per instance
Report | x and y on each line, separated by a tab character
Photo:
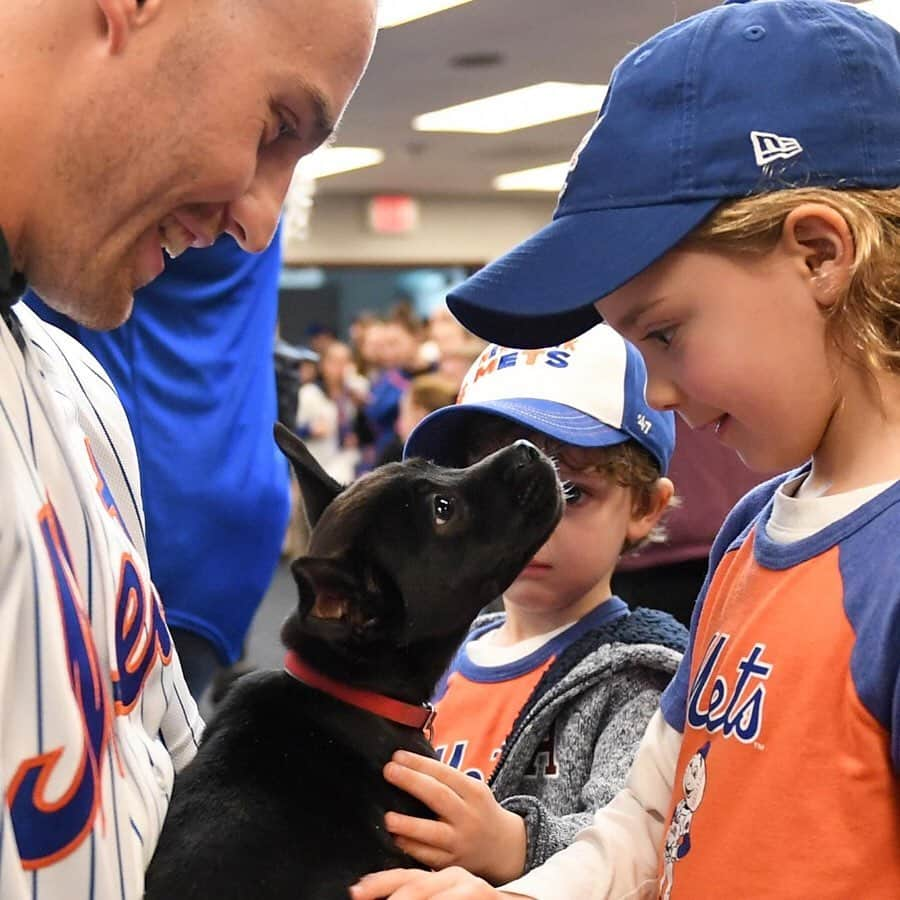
789	702
96	714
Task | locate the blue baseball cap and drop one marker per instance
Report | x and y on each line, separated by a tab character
741	99
589	391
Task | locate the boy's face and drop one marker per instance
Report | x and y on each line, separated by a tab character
735	345
571	572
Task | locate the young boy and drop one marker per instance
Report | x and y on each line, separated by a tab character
736	209
548	701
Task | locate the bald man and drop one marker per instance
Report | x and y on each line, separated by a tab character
131	128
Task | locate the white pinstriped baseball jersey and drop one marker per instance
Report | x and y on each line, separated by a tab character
96	716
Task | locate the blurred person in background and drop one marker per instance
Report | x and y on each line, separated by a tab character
326	410
401	360
319	336
456	360
357	335
425	394
287	358
445	330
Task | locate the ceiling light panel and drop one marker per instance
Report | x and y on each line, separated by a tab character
525	107
334	160
543	178
399	12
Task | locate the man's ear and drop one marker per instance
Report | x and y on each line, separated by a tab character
120	17
820	238
643	522
316	485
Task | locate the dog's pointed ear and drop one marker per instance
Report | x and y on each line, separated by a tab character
316	485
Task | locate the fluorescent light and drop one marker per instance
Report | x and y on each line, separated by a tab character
543	178
522	108
399	12
333	160
889	10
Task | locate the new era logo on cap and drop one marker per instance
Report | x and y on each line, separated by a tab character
768	147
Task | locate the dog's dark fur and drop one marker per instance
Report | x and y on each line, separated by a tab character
286	797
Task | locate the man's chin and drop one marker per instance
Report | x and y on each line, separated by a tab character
98	314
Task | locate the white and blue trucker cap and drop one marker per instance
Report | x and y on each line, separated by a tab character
589	391
744	98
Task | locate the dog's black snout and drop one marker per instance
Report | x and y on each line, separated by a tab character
526	453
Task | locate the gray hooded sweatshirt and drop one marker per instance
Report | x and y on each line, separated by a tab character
573	742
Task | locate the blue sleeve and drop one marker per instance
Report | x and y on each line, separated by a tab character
732	533
870	569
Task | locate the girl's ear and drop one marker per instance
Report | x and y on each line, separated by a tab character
820	238
120	18
643	522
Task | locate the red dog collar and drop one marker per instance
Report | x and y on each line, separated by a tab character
411	714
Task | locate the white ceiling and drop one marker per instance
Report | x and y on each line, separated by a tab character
540	40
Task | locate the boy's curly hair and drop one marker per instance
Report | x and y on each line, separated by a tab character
865	322
627	464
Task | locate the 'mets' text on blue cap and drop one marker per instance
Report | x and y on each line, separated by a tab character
741	99
589	391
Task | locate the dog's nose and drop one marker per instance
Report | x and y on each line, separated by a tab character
526	453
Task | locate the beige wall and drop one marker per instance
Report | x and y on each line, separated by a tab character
450	231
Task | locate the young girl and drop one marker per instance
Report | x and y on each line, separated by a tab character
760	276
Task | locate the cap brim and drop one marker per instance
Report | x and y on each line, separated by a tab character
542	292
437	437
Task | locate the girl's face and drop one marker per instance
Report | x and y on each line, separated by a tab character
334	362
736	345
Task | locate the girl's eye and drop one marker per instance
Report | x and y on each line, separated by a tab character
572	493
443	510
663	336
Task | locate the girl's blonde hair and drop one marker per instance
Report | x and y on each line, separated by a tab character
865	322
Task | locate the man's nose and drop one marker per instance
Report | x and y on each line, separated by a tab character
252	218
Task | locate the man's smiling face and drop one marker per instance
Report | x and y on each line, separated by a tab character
191	128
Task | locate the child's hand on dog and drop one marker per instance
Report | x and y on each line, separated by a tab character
472	830
414	884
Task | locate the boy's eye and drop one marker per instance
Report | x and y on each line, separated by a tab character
572	493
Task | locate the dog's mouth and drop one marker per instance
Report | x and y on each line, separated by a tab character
335	608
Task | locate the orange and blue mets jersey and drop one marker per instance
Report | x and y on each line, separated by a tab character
478	705
789	702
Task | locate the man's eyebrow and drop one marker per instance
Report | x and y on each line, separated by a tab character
324	121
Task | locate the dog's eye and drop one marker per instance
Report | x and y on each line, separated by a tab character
443	510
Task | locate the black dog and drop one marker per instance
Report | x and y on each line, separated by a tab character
285	798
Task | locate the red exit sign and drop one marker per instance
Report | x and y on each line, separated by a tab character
393	214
